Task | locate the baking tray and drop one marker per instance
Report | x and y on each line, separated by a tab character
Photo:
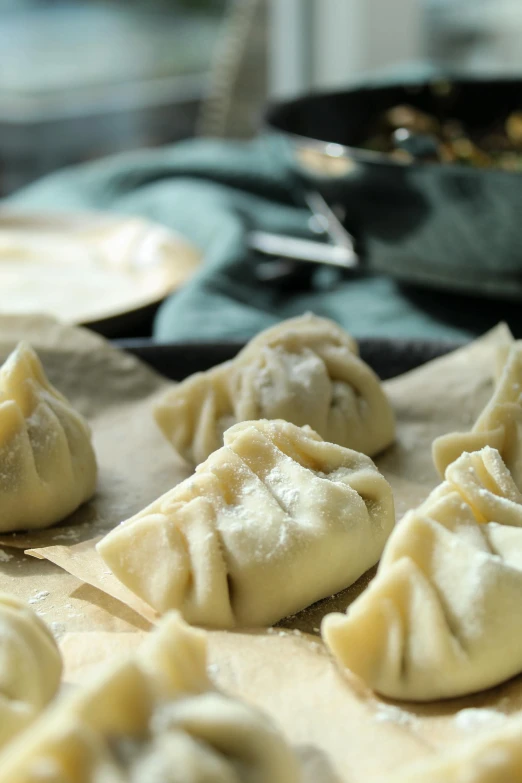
388	357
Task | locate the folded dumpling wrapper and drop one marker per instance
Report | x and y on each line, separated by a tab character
154	717
305	370
30	666
47	462
500	423
273	521
443	616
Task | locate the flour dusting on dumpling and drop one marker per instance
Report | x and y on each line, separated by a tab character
47	462
304	370
443	616
270	523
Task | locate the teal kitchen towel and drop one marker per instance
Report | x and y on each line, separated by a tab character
216	192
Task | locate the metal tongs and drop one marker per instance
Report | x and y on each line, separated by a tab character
338	251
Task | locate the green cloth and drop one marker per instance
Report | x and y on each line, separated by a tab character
215	192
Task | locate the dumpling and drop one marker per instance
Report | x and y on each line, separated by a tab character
156	718
499	425
47	463
443	616
30	666
194	414
304	370
273	521
495	757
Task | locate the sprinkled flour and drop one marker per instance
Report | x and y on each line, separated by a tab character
481	718
387	713
37	597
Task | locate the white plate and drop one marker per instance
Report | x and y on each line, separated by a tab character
87	267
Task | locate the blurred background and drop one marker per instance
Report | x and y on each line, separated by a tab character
80	79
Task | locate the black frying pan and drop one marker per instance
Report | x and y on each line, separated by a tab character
443	225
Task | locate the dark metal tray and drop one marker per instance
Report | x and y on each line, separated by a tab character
178	360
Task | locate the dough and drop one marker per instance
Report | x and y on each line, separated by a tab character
495	757
30	666
273	521
443	616
153	718
499	425
47	463
304	370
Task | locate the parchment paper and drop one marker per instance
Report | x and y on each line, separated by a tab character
351	735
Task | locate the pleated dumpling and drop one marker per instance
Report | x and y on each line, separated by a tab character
443	616
273	521
30	666
47	463
499	425
304	370
156	718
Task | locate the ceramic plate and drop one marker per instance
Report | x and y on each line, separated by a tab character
84	268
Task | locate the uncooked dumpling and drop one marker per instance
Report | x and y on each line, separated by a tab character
304	370
443	616
271	522
499	425
155	718
495	757
47	463
30	666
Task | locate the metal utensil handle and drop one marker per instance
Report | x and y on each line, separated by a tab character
332	225
281	246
